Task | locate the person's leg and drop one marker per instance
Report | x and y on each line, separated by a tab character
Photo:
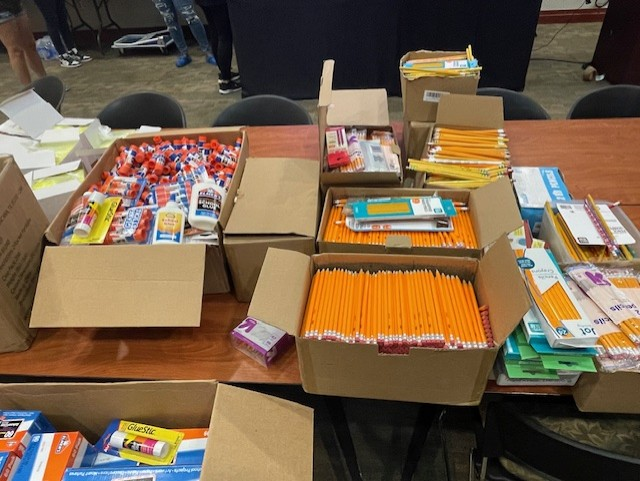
170	17
50	14
28	45
10	38
63	24
213	33
224	53
188	11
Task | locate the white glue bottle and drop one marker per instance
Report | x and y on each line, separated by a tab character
206	202
169	228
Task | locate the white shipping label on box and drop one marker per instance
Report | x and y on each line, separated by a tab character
432	96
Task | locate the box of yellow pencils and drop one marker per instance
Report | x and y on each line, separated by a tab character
407	328
421	94
565	248
467	147
366	112
483	215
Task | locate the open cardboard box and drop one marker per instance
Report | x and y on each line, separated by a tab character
551	236
440	376
276	206
22	225
361	108
608	392
421	96
492	208
252	436
76	283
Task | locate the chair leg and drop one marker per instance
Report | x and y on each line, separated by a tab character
341	428
424	420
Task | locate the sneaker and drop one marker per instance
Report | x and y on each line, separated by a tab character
235	77
183	60
82	57
69	61
211	59
228	86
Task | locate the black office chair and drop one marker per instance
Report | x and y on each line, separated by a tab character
51	89
517	106
263	110
552	440
613	101
143	108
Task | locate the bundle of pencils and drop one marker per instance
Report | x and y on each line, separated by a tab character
464	157
445	65
462	235
590	253
615	350
396	310
612	300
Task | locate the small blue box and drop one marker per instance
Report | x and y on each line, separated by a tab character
534	186
17	427
147	473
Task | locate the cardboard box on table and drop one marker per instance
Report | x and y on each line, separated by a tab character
421	98
608	392
551	236
252	436
276	206
493	211
441	376
130	285
22	225
464	112
361	108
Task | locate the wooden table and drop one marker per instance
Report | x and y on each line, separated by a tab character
578	147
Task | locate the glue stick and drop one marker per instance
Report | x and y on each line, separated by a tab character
89	215
206	202
169	228
122	440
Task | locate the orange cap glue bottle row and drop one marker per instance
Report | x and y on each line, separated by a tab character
169	228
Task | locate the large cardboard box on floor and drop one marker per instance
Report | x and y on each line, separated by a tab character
22	225
440	376
276	206
608	392
131	285
421	96
252	436
493	211
362	108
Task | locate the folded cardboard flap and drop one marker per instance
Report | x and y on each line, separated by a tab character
255	437
101	286
499	285
470	111
276	196
22	224
90	407
280	296
494	211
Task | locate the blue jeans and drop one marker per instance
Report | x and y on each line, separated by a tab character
169	10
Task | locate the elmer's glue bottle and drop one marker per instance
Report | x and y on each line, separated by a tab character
205	205
169	228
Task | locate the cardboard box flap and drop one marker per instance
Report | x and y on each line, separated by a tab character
507	296
276	196
499	217
470	111
256	437
351	106
90	407
281	293
22	223
101	286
